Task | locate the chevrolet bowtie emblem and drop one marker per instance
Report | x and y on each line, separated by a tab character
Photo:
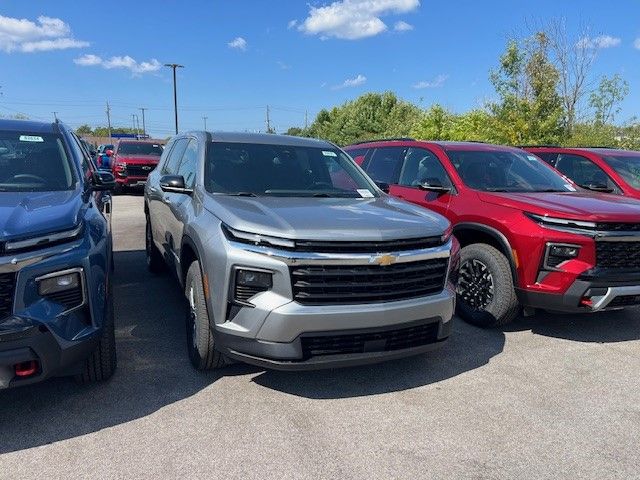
384	260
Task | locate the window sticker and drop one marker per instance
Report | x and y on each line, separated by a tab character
31	138
364	193
532	158
570	187
327	153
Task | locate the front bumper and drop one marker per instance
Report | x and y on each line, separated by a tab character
54	355
593	291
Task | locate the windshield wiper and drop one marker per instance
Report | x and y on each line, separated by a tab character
240	194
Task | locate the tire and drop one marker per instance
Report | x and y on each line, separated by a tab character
478	303
155	262
102	363
200	342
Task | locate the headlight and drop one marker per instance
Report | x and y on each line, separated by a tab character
249	282
64	287
557	253
560	223
44	240
256	239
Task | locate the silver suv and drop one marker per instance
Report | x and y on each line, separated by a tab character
292	258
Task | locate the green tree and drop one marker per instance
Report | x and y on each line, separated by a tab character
84	130
529	109
606	99
373	115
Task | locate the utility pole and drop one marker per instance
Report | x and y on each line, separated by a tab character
173	66
55	116
306	119
205	122
133	119
268	121
109	119
144	127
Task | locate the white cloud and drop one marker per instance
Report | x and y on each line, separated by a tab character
636	43
238	43
601	41
353	19
435	83
291	24
402	26
351	82
283	65
125	62
46	33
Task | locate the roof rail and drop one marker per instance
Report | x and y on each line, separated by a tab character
541	146
396	139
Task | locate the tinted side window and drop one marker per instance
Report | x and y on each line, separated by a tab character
583	171
188	164
550	158
422	166
384	165
171	165
85	160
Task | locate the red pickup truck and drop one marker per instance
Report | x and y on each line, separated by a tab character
530	237
132	162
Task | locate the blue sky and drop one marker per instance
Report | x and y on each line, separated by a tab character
295	56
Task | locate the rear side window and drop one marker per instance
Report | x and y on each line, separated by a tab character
550	158
188	164
422	166
358	154
385	163
175	155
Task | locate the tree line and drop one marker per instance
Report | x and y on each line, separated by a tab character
545	93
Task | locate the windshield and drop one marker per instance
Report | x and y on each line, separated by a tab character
131	148
34	162
627	166
278	170
506	171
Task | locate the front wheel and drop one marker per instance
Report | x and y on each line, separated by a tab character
486	294
200	342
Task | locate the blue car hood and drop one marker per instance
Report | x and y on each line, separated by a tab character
27	214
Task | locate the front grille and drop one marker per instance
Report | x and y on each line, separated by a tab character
624	301
139	170
620	255
68	299
368	247
618	227
354	284
7	290
381	341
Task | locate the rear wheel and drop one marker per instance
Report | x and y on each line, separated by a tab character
103	361
155	262
200	342
486	295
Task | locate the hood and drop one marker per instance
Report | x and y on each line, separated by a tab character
597	207
28	214
348	219
138	159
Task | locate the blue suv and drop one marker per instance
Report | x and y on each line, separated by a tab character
56	308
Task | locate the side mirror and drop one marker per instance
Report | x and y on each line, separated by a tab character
103	181
173	183
434	186
109	153
597	187
384	186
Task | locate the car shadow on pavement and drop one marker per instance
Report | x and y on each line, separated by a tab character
602	327
468	348
153	368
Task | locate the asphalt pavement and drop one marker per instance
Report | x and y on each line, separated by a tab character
551	396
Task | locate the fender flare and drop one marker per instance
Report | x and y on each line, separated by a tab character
498	237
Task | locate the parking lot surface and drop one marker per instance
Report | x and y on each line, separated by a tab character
549	396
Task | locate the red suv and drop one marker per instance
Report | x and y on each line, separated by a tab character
132	162
599	169
529	236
